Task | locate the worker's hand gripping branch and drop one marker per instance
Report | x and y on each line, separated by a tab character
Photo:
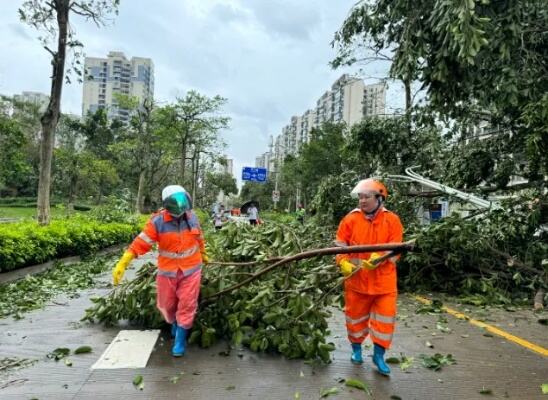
120	268
370	263
346	268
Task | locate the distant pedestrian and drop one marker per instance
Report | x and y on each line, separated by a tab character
253	214
219	218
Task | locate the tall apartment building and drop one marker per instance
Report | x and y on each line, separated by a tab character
374	99
105	77
263	161
343	103
349	100
267	160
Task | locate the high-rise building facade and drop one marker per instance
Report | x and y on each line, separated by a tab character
349	100
374	99
267	160
106	77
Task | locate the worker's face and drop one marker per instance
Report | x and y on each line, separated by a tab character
368	202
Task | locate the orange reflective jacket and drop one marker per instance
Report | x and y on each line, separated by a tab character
356	229
180	242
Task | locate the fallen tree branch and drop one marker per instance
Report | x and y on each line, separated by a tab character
514	261
241	264
393	247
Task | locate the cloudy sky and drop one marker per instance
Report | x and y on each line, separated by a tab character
269	58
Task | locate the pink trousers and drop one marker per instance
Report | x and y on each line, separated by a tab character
177	298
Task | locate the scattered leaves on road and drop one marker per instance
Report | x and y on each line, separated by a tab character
358	384
406	362
486	391
437	361
59	353
139	382
327	392
544	388
83	350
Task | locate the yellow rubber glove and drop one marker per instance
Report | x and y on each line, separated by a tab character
368	264
205	257
346	268
120	268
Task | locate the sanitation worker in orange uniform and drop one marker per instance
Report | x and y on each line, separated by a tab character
370	294
181	254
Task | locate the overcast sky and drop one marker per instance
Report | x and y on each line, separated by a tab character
269	58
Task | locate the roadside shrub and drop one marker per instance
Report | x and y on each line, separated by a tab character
27	243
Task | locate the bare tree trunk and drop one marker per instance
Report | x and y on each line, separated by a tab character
195	165
183	161
51	115
408	105
139	205
407	85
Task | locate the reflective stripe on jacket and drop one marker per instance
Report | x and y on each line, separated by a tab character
180	241
356	229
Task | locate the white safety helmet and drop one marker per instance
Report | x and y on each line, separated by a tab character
176	200
171	189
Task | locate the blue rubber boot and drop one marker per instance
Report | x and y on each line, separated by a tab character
173	329
378	360
356	357
179	344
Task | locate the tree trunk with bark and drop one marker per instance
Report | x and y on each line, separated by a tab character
51	115
408	104
139	204
183	161
196	164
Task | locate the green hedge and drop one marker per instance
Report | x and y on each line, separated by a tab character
17	200
27	243
31	202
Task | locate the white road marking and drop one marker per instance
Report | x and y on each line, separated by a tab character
129	349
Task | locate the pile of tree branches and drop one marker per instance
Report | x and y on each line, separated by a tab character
495	257
251	296
282	311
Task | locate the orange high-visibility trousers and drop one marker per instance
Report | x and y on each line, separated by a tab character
177	298
370	314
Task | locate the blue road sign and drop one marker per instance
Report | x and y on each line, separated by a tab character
254	174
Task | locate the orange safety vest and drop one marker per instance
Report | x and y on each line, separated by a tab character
180	243
356	229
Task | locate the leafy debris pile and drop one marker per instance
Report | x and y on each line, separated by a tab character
34	291
284	311
497	257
